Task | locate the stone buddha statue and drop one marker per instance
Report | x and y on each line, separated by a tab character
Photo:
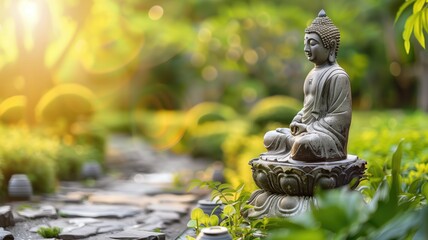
313	151
319	132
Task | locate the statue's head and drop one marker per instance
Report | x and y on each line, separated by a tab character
327	32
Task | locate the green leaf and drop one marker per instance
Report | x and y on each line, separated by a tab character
418	30
192	223
396	166
419	4
197	214
228	210
402	8
213	220
408	27
407	46
424	17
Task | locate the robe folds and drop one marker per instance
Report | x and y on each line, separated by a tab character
327	115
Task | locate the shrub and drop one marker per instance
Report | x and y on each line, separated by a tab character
12	110
238	150
70	160
209	112
28	153
374	135
65	104
280	109
206	140
208	125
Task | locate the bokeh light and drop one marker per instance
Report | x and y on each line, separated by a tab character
155	12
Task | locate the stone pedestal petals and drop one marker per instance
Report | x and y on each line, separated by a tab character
287	188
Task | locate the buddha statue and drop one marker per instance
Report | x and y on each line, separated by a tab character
312	153
319	132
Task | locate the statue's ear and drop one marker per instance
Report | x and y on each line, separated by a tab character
332	53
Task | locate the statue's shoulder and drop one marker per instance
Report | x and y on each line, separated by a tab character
337	71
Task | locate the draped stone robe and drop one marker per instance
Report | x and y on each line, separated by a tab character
326	113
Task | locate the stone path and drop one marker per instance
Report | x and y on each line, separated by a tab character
141	198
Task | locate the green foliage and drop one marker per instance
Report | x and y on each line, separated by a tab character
238	150
208	112
374	136
42	157
234	201
280	109
343	214
199	220
28	153
49	232
70	159
207	139
416	23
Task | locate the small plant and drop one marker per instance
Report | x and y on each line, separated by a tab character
235	203
394	212
49	232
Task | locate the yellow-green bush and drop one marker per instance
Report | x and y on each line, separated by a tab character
206	140
280	109
209	112
65	104
25	152
238	150
375	135
208	124
12	109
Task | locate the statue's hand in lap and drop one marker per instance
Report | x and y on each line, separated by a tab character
297	128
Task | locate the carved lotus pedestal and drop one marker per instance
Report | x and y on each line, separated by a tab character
287	188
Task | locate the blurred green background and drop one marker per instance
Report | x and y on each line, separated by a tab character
204	77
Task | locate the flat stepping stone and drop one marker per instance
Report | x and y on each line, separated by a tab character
99	211
42	211
78	228
121	198
91	230
176	198
169	207
166	216
132	187
138	235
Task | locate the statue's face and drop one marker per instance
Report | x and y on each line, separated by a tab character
315	50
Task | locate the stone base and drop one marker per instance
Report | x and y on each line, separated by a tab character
294	178
268	204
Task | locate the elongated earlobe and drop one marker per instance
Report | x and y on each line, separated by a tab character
332	54
332	57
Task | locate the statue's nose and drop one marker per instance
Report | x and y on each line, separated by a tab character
306	48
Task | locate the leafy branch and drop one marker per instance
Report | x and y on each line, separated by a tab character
417	22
